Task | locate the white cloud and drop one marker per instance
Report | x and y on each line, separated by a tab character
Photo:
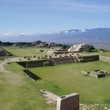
25	34
72	31
8	34
49	32
17	34
66	31
83	30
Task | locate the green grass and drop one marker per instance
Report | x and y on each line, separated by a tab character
69	78
18	92
24	51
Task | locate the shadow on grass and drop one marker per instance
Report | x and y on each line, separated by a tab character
107	101
31	75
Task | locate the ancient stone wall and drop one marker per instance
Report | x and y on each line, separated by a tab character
57	60
97	73
64	60
88	58
5	53
38	63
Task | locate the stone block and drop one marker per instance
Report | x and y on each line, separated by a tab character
68	102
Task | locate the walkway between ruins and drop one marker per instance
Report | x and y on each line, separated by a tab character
2	63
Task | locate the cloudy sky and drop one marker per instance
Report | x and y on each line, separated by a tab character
40	16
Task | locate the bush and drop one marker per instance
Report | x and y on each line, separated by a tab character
41	50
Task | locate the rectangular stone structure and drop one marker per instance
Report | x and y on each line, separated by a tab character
68	102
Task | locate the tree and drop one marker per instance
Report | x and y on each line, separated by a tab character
89	48
65	47
0	42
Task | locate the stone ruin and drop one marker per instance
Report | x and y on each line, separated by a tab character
68	102
51	60
78	48
70	58
62	57
97	73
34	63
56	52
46	60
64	60
4	52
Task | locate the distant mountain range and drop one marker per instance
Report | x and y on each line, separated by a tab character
98	37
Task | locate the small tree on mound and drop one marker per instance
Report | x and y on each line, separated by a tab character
88	48
64	47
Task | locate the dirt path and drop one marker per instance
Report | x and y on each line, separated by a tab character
52	98
49	97
2	63
2	69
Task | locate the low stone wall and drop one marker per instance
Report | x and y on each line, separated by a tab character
50	61
63	60
88	58
84	72
38	63
96	73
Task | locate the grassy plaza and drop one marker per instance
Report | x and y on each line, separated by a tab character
18	92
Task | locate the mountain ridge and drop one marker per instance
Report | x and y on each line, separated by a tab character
100	37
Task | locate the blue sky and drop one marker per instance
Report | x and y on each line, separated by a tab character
40	16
